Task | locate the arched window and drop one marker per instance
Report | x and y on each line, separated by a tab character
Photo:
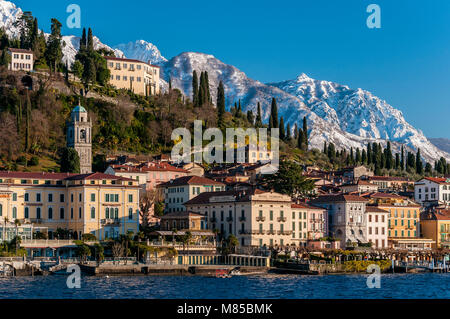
14	212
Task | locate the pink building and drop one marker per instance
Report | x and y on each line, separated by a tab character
148	174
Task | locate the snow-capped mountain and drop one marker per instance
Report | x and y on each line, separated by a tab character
9	14
143	51
336	113
72	45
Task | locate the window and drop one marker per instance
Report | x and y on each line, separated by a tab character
71	213
14	197
27	197
71	198
92	212
50	198
61	213
130	198
27	212
271	215
38	197
38	213
50	213
14	212
79	197
1	210
107	212
92	197
130	213
79	212
61	198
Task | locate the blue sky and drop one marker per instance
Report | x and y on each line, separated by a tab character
406	62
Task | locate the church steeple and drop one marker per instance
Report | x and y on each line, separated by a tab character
79	137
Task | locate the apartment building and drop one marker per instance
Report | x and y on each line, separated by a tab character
404	214
432	189
377	226
178	191
100	204
21	60
149	174
257	218
138	76
391	183
346	217
361	186
308	223
435	224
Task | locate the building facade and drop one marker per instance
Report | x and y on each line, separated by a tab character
435	224
431	189
256	218
140	77
178	191
308	223
99	204
346	217
377	226
79	137
21	60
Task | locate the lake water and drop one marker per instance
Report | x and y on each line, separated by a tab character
428	285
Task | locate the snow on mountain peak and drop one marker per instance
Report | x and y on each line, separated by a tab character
143	51
9	14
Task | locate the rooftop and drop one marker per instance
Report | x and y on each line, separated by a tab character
190	180
60	176
128	60
338	198
20	50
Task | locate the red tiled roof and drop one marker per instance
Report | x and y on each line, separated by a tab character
190	180
389	178
384	195
438	180
60	176
20	50
153	167
375	209
339	198
98	176
128	60
305	206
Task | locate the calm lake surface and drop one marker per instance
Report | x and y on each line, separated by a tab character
426	285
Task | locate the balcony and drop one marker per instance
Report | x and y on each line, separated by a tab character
36	221
242	219
244	232
260	218
285	232
270	232
213	219
258	232
229	219
110	222
281	219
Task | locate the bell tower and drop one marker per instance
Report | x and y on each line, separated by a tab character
79	137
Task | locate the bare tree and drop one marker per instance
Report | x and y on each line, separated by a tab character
117	250
147	205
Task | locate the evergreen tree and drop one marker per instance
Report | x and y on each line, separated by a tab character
369	154
301	139
296	132
397	161
274	114
201	90
27	123
70	160
221	104
402	160
419	164
282	132
305	132
358	156
388	156
258	122
288	132
364	156
195	89
83	40
208	99
54	46
325	147
90	41
428	169
250	117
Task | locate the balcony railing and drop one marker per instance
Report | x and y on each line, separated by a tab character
281	219
244	232
110	221
285	232
258	232
260	218
270	232
229	219
242	219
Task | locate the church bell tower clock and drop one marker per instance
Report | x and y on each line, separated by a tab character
79	137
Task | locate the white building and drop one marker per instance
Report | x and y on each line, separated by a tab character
21	60
346	217
432	189
178	191
257	218
377	226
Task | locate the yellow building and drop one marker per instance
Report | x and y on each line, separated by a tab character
96	203
137	76
436	225
404	214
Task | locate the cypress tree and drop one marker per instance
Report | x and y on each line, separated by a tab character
364	156
369	154
27	123
305	132
195	88
419	164
296	132
220	104
201	90
282	132
90	41
83	40
250	117
358	156
288	132
274	114
258	122
402	160
301	139
325	148
208	99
